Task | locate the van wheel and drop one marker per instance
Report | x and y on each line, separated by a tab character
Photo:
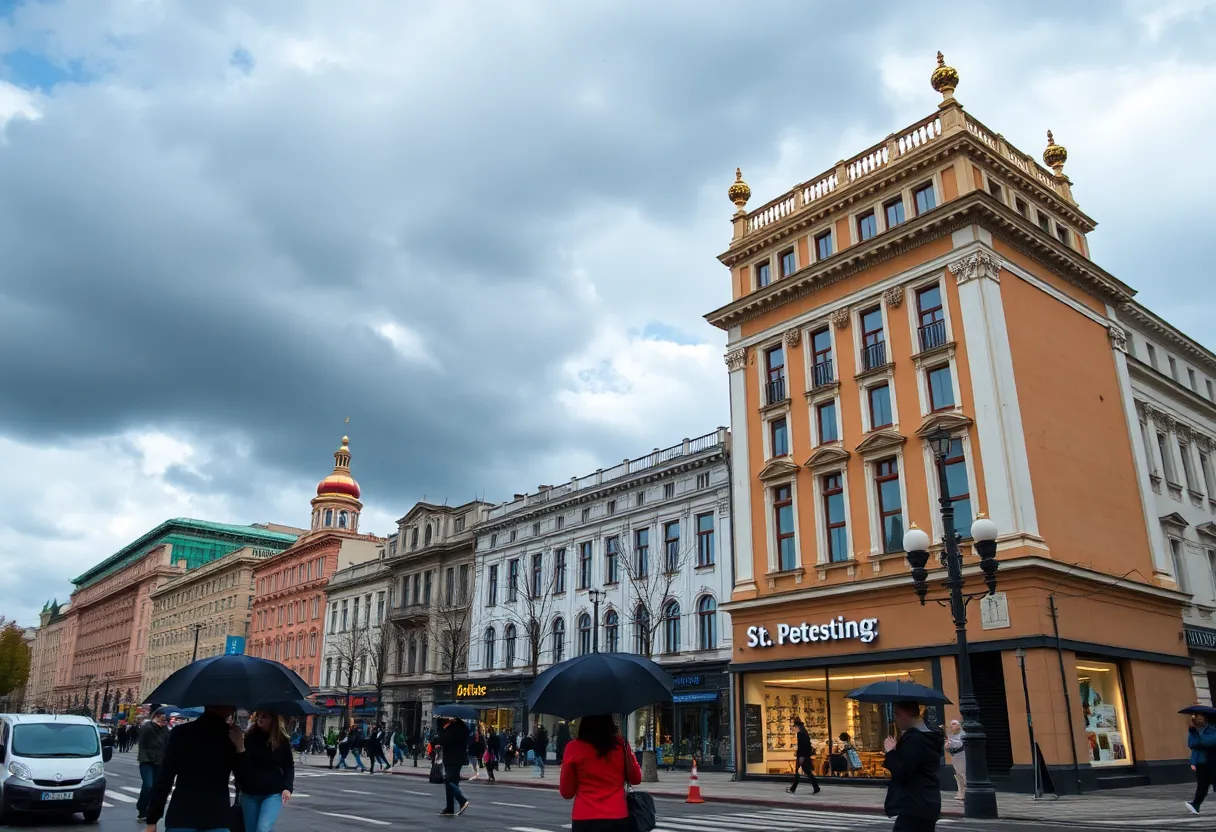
92	816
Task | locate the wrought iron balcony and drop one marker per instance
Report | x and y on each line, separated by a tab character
823	373
874	355
932	335
774	391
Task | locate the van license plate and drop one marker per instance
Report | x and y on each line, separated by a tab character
57	795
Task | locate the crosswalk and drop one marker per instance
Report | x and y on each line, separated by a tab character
767	820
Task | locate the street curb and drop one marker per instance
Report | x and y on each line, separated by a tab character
729	799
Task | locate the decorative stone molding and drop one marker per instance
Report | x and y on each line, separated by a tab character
1162	420
894	297
778	469
1182	431
840	318
1142	410
1206	443
736	360
1118	337
827	456
793	337
977	265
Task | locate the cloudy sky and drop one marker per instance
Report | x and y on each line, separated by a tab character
485	231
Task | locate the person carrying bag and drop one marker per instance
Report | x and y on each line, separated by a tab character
600	786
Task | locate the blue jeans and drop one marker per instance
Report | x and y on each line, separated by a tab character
147	776
260	811
398	753
451	787
358	759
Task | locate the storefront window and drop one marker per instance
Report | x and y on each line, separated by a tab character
1105	719
772	700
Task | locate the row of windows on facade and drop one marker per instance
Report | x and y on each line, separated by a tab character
350	607
329	519
455	590
290	576
282	649
887	504
1164	462
872	221
291	613
607	509
199	591
1181	574
638	568
1192	380
458	526
186	634
643	634
202	610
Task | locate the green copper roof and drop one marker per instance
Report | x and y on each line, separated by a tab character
195	541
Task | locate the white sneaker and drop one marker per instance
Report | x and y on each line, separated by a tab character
1188	804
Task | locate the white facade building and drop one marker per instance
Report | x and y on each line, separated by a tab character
1173	391
645	548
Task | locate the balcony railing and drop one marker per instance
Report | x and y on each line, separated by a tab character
774	391
822	373
932	335
874	355
405	612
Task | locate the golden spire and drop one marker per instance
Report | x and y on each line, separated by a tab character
944	79
739	192
1055	155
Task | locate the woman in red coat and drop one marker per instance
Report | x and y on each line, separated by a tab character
595	769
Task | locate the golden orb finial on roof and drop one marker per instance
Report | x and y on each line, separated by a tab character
345	441
739	192
1055	155
944	79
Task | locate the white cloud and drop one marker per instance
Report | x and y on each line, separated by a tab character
16	103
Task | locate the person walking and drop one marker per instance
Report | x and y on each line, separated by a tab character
200	758
477	747
398	744
958	757
267	777
509	750
596	767
563	739
356	745
383	740
493	752
914	795
804	755
153	738
343	748
372	746
541	748
1201	739
454	745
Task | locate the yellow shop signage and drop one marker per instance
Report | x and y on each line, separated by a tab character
470	690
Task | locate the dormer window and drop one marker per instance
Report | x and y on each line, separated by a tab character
414	538
426	538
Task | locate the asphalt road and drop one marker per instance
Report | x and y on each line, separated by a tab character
355	802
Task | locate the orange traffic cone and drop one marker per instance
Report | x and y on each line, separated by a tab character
694	787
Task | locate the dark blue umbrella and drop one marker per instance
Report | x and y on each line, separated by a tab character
296	707
599	683
231	681
456	711
898	691
1201	710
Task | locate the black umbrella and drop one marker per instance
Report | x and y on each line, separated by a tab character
454	710
1201	710
295	707
599	683
898	691
231	680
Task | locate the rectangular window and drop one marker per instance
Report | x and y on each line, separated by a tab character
639	499
427	582
702	481
1167	460
880	406
538	576
779	437
957	489
1044	222
559	522
514	535
823	245
1152	354
926	199
584	565
874	339
513	579
459	525
449	587
788	264
671	545
834	518
931	317
1179	565
1190	375
492	586
890	505
894	211
345	613
783	522
1173	368
1188	473
705	539
1021	207
1209	479
825	417
995	190
669	490
1062	234
641	553
941	388
867	226
612	558
763	277
822	371
611	508
774	380
586	514
1211	391
559	570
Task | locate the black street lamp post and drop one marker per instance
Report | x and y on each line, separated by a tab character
597	595
979	801
196	628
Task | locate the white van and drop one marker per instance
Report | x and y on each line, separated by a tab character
51	764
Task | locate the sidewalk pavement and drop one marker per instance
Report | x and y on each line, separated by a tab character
1145	802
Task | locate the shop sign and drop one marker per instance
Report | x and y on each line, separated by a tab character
477	690
686	681
1200	638
865	631
994	611
470	690
709	696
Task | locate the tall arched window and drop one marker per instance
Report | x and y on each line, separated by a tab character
342	519
508	646
584	634
707	623
426	539
612	631
641	630
413	655
488	638
414	538
559	640
329	517
671	627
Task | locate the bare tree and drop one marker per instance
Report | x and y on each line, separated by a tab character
448	633
382	644
351	648
529	606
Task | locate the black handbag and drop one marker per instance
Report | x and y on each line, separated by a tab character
437	773
640	805
236	817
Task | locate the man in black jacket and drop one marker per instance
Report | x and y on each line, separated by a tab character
200	756
914	796
454	739
153	737
803	758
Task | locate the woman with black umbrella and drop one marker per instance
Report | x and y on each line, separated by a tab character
454	740
200	758
596	768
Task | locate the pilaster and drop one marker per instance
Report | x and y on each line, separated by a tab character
740	474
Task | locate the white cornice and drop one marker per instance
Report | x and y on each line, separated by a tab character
1136	313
